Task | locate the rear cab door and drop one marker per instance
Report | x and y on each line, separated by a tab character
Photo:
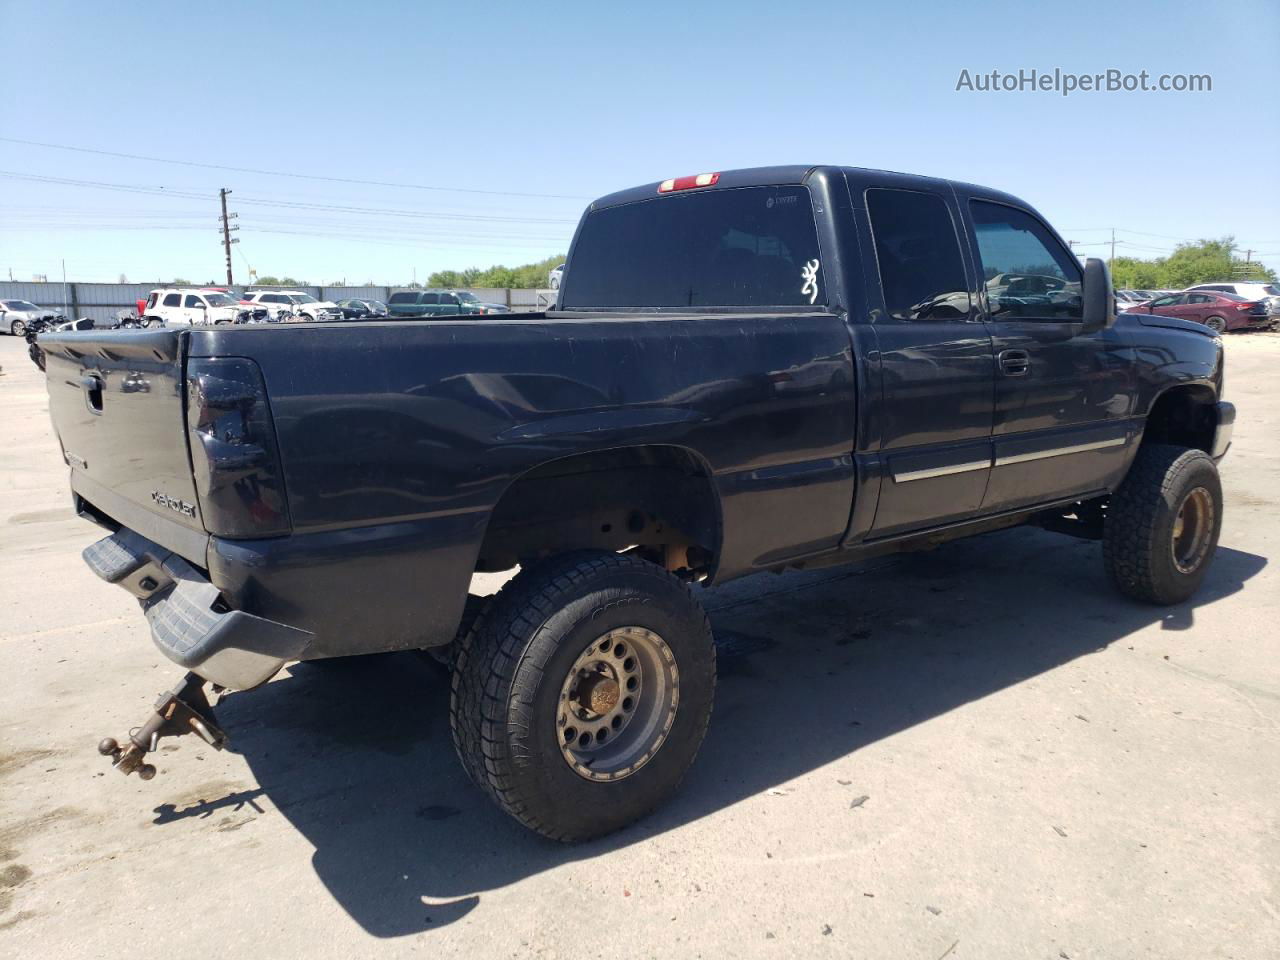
1063	422
934	353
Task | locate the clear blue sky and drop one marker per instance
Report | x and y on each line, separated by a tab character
582	99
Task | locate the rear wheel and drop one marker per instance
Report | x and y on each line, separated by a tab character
582	693
1216	324
1163	524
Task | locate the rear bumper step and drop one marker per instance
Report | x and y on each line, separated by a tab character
230	648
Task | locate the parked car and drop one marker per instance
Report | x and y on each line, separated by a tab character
1268	292
1220	312
17	315
184	306
555	276
439	303
359	309
1127	299
721	395
285	304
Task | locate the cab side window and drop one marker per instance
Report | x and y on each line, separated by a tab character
1028	275
448	298
193	301
921	271
172	300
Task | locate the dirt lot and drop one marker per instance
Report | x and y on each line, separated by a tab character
980	752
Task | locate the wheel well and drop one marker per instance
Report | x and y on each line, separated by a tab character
1184	416
656	500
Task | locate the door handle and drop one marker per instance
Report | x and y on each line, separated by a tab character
1015	363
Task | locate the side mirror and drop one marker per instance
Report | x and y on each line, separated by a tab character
1099	299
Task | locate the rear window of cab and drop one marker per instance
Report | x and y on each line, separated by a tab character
741	247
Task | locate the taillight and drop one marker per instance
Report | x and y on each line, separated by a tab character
689	183
1248	306
233	449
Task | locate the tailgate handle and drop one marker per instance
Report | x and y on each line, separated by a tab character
92	386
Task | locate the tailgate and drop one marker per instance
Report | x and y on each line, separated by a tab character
117	403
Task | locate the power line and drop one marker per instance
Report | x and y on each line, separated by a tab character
292	175
291	204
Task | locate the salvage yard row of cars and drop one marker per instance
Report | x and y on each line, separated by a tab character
1222	307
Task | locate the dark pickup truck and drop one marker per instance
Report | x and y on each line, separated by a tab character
747	371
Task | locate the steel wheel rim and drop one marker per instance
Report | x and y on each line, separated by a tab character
18	328
1216	324
1192	530
617	704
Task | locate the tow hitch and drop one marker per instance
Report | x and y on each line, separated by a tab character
184	709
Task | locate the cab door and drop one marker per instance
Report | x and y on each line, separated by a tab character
934	353
194	309
1063	424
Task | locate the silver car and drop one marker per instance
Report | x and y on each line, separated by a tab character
16	314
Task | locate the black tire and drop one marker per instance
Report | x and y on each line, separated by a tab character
1216	324
17	329
510	669
1142	554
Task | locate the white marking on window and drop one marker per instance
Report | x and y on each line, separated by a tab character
810	273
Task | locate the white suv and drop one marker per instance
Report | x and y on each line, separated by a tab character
301	305
184	306
1250	291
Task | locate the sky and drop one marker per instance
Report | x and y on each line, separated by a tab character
380	142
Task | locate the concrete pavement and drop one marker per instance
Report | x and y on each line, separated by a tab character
979	752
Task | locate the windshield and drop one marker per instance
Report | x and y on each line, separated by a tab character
19	305
220	300
1272	290
302	298
467	297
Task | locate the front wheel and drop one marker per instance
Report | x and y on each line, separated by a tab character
1216	324
1163	524
582	693
18	328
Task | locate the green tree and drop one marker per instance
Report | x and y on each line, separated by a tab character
528	276
1190	263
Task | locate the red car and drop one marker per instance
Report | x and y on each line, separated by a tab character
1217	311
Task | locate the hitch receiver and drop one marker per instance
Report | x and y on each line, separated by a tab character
184	709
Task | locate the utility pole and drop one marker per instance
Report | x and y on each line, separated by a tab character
226	219
1112	264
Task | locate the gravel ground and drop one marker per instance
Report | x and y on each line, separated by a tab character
978	752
